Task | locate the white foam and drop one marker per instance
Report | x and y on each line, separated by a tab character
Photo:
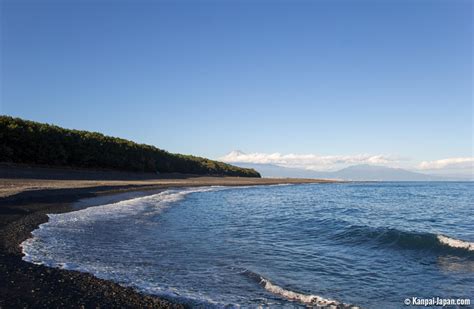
150	204
455	243
309	299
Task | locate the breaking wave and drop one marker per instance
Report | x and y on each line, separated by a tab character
390	237
35	251
455	243
307	299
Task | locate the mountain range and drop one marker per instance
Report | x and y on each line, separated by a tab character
362	172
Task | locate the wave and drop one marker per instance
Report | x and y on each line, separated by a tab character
390	237
455	243
307	299
137	208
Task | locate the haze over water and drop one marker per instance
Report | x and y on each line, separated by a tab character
366	244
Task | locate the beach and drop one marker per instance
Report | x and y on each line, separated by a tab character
236	154
28	194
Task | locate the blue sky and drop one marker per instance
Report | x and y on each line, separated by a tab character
324	78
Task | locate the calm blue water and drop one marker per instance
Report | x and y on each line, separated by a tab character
366	244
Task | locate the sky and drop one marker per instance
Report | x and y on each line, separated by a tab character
319	84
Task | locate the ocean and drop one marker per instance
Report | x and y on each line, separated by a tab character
370	245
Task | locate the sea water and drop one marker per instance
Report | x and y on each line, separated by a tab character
370	245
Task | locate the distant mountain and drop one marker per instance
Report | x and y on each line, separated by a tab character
355	172
370	172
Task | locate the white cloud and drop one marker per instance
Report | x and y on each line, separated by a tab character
450	163
451	166
308	161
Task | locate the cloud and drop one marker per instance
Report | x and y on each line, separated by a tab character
450	163
308	161
334	162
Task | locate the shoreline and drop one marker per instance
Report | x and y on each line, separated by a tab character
22	211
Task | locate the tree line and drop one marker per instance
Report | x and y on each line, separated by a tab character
24	141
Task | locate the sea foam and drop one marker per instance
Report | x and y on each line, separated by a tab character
146	205
307	299
455	243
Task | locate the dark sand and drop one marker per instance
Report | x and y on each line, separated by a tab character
27	194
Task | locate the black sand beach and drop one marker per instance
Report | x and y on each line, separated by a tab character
28	194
